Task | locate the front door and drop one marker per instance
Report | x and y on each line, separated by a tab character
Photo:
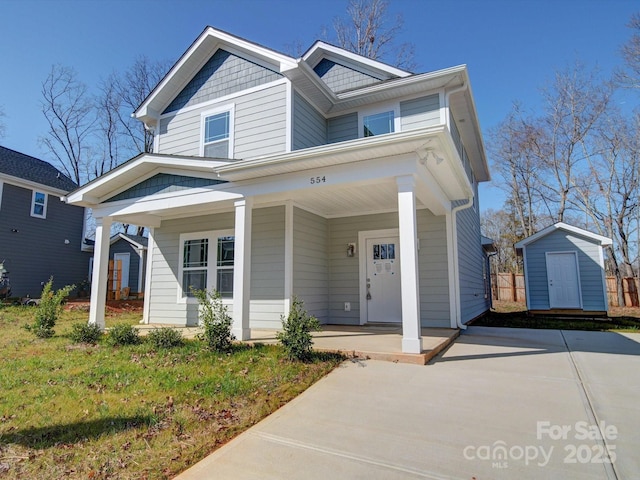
124	274
384	303
563	280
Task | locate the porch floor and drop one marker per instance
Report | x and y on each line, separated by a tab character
375	342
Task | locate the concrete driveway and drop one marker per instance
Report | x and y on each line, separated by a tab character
500	403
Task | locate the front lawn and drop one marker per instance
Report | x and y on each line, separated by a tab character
95	412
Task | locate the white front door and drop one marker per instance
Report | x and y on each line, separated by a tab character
563	280
124	275
384	303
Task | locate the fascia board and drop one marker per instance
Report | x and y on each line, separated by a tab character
565	227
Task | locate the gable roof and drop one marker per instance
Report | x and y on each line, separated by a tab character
566	228
26	167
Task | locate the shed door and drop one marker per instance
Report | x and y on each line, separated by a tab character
124	279
563	277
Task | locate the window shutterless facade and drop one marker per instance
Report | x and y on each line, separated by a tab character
217	133
39	204
206	261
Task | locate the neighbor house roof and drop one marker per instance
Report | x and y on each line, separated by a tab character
137	241
566	228
25	167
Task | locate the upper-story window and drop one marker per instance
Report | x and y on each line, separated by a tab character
39	204
378	124
217	133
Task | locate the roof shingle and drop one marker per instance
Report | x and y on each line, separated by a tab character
30	168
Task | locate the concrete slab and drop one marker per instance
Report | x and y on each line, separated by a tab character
475	411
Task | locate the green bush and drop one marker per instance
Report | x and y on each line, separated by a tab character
85	333
123	334
48	309
215	320
165	337
295	336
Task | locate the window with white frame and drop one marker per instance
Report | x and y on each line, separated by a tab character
206	262
39	204
217	133
378	124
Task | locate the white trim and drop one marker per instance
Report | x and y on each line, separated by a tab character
289	126
212	256
140	253
1	190
567	228
44	205
363	236
230	108
100	268
604	279
449	219
242	269
147	281
288	256
577	259
225	98
527	290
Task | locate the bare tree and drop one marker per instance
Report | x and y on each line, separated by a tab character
630	76
70	113
367	30
502	228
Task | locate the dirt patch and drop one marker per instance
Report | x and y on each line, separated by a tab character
113	306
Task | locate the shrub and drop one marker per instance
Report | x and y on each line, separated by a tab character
295	336
215	320
123	334
165	337
48	309
85	333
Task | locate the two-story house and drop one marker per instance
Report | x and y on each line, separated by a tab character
332	177
40	236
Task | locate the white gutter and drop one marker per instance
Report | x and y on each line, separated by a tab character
456	266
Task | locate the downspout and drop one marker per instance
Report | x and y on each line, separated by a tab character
454	220
456	271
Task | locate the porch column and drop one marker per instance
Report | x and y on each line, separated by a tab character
100	274
408	229
242	269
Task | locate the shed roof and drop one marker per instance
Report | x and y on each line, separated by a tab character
564	227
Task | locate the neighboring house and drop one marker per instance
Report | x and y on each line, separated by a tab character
131	250
40	236
564	270
335	178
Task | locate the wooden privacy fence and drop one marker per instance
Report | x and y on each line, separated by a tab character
511	287
508	287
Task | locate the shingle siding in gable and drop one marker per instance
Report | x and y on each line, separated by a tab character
163	183
37	249
342	128
224	74
309	126
340	78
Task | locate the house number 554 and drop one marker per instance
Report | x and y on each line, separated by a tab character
314	180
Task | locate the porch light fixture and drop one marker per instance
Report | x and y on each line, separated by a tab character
351	249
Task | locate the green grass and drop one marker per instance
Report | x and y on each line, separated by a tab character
84	411
507	316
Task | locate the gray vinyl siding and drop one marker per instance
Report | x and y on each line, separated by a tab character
267	267
345	271
434	270
471	260
340	78
224	74
259	125
38	250
122	246
309	126
310	263
588	263
342	128
267	275
420	112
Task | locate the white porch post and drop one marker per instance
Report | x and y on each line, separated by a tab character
242	269
408	229
100	271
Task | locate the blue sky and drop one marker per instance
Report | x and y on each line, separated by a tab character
512	47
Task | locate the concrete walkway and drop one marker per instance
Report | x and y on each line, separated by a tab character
500	403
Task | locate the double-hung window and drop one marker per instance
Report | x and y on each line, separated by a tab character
39	204
217	133
206	262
